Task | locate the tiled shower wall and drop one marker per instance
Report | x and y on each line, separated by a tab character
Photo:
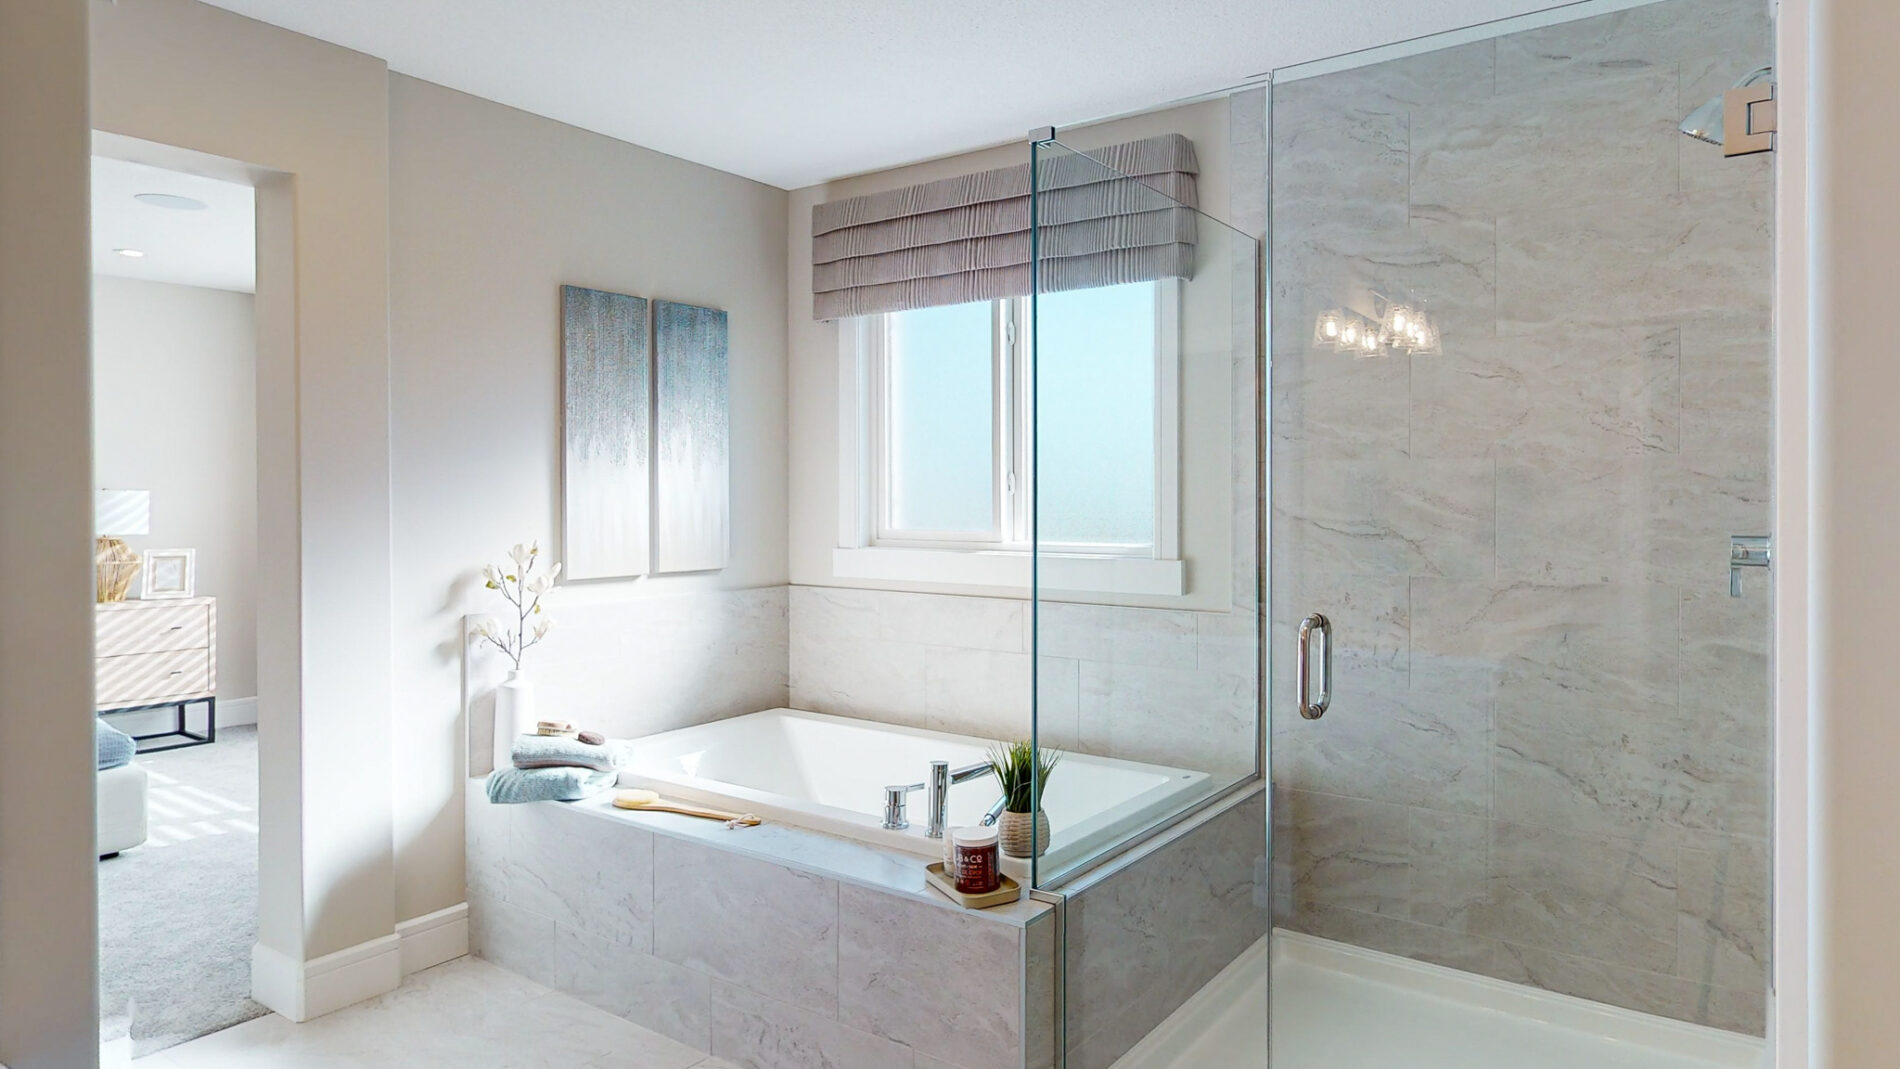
1547	755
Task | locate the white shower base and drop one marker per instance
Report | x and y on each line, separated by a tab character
1341	1007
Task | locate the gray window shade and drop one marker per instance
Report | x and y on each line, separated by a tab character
967	238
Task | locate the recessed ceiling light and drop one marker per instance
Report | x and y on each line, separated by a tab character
129	253
170	200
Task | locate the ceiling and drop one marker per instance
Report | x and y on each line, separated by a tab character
215	246
794	92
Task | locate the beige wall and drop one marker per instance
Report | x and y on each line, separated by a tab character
492	210
175	412
308	123
1206	447
48	925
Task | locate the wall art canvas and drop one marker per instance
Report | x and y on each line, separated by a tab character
692	474
607	386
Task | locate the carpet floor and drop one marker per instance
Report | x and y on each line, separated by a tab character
178	915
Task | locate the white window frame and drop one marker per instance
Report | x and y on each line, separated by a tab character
869	549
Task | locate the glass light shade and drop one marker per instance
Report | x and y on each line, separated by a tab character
1399	320
1329	328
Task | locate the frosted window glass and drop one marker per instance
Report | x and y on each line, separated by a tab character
1095	413
942	446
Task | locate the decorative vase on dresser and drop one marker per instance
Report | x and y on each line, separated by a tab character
159	655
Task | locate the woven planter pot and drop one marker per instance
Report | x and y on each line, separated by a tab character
1014	833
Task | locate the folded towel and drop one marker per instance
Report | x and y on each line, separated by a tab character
552	751
508	786
115	747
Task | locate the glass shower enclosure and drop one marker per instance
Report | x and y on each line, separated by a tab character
1427	500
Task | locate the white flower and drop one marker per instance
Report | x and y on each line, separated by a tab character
519	555
542	626
555	572
540	584
491	575
487	627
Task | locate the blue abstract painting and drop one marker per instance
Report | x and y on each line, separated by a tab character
692	441
607	433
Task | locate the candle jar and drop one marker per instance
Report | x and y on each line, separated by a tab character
977	871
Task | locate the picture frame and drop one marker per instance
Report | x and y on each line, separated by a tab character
169	573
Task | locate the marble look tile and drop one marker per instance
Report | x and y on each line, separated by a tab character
977	692
670	999
1000	624
1370	616
1420	942
1728	393
1651	38
1117	634
1610	139
764	927
1380	740
1611	899
1703	167
1389	860
1650	519
1733	1009
1590	394
1145	936
1461	72
870	678
1451	264
1183	717
488	829
1412	517
514	938
595	876
1722	917
1340	166
931	978
762	1033
1331	406
1648	262
1041	956
723	652
1605	644
1726	708
1228	642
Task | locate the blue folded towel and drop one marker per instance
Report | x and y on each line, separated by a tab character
509	786
115	747
553	751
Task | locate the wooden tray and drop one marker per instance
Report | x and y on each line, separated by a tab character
1008	891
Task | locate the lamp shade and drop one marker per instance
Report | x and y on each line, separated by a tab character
117	513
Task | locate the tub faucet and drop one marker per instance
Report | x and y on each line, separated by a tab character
936	796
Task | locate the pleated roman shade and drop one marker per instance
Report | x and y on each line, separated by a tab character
968	238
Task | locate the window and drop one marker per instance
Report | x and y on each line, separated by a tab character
940	408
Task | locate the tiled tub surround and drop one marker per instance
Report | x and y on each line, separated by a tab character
1546	758
637	667
770	947
1169	687
776	947
829	773
1143	935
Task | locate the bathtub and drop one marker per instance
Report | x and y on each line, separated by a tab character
828	773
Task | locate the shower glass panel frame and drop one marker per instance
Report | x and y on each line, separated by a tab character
1154	660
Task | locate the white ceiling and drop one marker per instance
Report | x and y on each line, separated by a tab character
215	247
793	92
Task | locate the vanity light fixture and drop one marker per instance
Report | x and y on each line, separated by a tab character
1401	327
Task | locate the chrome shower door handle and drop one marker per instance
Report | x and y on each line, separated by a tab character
1313	708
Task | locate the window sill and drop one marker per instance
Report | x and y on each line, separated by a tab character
1065	572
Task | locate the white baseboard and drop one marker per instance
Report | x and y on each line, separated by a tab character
433	938
235	711
303	990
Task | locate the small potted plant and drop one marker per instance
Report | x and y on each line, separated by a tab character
1023	772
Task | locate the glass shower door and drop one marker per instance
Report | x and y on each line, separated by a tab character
1519	406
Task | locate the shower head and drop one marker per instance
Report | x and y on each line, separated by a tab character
1705	122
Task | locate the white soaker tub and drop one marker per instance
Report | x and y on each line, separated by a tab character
828	773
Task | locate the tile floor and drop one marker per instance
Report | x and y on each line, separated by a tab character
467	1014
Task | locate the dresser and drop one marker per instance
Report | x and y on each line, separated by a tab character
159	655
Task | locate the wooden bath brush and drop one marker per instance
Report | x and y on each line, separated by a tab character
653	803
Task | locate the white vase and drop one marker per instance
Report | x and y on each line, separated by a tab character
514	715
